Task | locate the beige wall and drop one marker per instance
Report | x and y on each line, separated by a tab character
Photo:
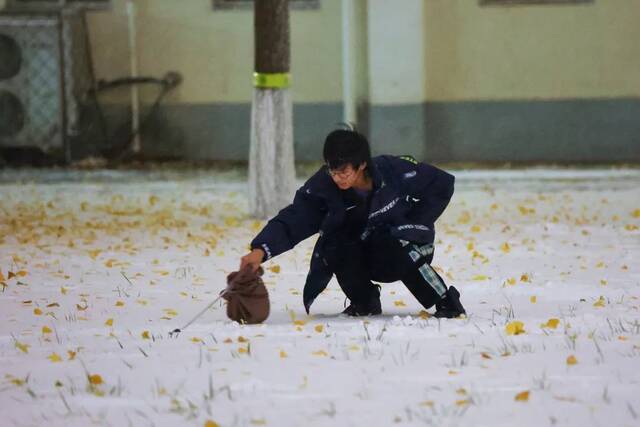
213	49
469	52
569	51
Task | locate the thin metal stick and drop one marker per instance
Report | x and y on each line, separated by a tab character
211	304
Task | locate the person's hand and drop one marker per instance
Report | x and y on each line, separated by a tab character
253	258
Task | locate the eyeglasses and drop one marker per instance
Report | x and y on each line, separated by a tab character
344	172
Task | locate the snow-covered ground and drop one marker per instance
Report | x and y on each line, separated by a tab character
97	268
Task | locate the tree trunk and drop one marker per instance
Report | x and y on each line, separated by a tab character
271	163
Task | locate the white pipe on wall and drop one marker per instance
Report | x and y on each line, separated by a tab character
348	94
133	56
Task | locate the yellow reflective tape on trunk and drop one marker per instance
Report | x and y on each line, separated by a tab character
272	80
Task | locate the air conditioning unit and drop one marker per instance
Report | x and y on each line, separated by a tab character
45	79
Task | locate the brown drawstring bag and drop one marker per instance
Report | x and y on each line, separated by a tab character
247	297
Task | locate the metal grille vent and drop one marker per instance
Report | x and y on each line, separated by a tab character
43	80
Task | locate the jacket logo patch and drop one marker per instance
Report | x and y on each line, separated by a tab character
409	159
409	174
385	208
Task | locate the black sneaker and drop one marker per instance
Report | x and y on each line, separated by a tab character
371	308
450	306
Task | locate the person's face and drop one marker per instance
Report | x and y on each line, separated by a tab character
346	176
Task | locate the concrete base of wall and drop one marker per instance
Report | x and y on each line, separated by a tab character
584	130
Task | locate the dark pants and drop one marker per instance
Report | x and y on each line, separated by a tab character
383	258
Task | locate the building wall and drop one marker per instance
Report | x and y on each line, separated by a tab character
532	83
207	116
448	80
533	52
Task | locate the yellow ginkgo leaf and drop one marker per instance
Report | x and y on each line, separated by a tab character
46	330
522	396
95	379
196	339
505	247
71	354
525	278
211	423
551	323
571	360
318	328
16	381
243	350
511	281
119	303
109	322
283	354
37	311
462	402
399	303
63	290
354	348
94	253
464	218
274	269
600	303
299	322
22	347
475	228
170	312
242	339
515	328
55	357
145	335
320	353
480	277
424	314
533	299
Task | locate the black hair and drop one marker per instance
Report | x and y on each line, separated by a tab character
346	146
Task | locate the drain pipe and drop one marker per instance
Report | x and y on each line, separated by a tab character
133	58
348	94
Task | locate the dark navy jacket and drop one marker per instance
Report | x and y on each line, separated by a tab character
406	199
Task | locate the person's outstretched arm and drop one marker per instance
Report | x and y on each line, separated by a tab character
293	224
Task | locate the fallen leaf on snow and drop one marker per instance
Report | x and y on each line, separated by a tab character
55	357
551	324
600	303
95	379
22	347
515	328
522	396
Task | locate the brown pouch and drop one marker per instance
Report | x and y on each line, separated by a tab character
247	297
